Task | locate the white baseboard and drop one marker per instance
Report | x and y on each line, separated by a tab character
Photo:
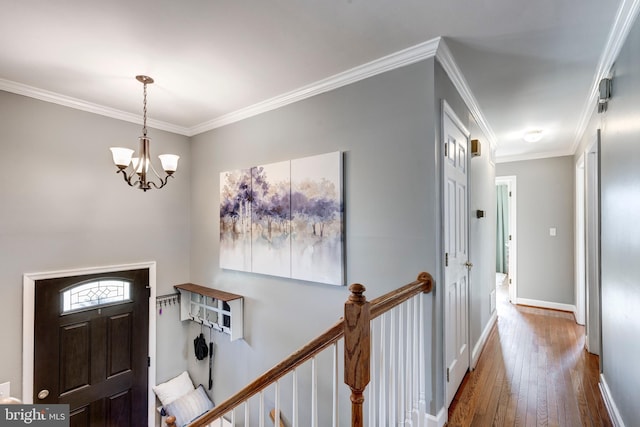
612	409
477	349
546	304
437	421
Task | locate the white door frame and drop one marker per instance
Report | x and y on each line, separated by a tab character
593	334
580	267
511	181
448	111
28	324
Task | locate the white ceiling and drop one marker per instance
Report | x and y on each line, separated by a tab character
530	64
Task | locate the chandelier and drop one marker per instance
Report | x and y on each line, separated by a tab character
135	170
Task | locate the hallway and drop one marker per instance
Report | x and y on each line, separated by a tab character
533	371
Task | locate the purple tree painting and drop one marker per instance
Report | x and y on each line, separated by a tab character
285	219
316	210
270	217
235	220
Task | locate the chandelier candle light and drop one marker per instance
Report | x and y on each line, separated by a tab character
123	157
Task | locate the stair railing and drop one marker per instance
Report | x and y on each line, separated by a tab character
397	395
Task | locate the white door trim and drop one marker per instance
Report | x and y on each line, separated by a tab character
511	181
580	267
28	323
447	111
593	333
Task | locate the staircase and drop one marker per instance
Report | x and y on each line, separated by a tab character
378	347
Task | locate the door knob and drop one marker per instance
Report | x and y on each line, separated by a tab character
42	394
468	265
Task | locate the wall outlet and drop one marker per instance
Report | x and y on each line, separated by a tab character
552	232
5	389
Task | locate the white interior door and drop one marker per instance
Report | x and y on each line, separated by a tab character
456	254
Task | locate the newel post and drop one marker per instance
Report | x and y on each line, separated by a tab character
357	348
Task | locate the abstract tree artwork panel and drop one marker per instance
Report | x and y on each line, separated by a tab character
235	220
316	211
270	219
285	219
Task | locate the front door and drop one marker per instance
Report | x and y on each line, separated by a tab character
456	256
91	347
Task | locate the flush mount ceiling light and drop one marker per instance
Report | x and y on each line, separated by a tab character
533	135
137	174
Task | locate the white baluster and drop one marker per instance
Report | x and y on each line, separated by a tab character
401	371
314	393
416	371
294	420
335	385
422	368
276	416
246	413
382	399
392	368
370	400
261	416
407	367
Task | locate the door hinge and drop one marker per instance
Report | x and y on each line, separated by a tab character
446	149
509	281
148	291
447	374
509	236
509	193
446	259
148	362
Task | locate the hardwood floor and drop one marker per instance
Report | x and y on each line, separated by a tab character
533	371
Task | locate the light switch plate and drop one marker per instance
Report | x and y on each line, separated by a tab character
5	389
552	231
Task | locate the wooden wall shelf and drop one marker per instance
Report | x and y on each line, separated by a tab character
213	308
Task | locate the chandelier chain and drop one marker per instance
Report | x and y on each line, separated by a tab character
144	112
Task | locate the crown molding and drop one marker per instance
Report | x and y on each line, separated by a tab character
445	57
625	18
390	62
79	104
534	156
431	48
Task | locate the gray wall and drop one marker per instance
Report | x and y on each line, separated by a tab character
64	207
72	210
545	198
384	125
482	238
620	230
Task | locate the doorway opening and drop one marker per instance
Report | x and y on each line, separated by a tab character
506	235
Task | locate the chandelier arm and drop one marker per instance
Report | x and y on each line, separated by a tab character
127	178
163	182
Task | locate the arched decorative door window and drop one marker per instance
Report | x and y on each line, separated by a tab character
95	293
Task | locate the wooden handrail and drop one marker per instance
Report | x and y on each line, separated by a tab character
296	359
423	284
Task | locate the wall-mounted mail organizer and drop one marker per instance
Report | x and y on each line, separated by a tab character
213	308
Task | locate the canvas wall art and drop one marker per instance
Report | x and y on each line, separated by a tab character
285	219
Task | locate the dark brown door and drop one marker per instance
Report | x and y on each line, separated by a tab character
91	347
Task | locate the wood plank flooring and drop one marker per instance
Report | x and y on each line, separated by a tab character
533	371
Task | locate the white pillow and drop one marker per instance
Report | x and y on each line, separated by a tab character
173	389
190	406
